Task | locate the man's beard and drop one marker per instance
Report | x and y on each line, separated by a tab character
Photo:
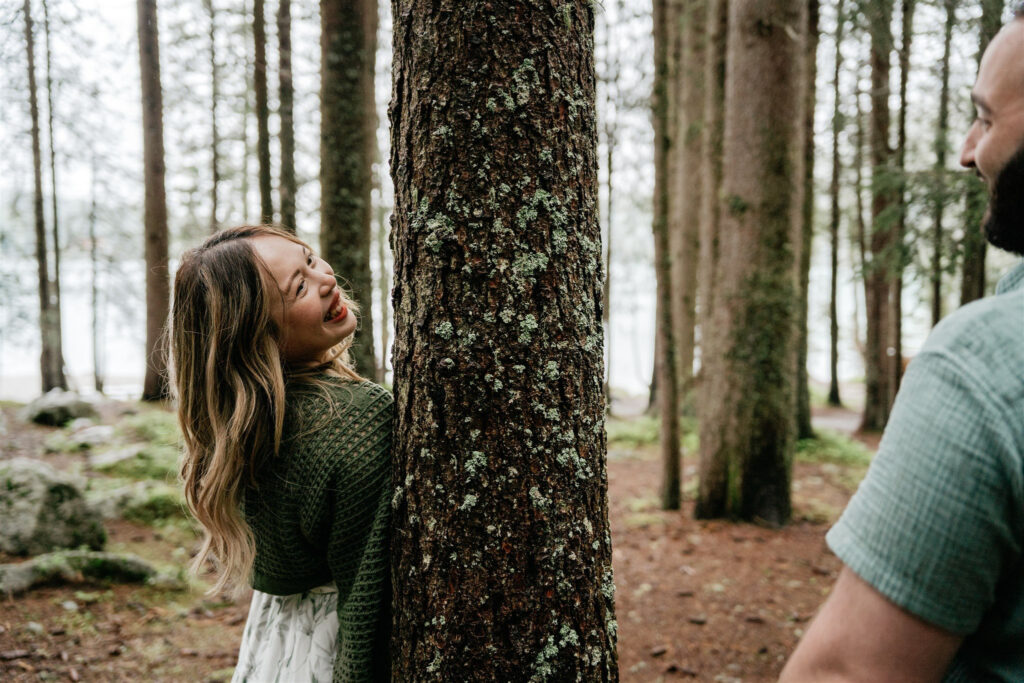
1004	222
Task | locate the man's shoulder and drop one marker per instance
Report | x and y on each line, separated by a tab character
991	328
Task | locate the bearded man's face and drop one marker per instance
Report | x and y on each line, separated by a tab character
995	143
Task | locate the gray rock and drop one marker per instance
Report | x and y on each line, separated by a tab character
44	510
107	458
80	423
94	435
58	407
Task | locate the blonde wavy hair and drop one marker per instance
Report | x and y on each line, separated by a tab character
229	377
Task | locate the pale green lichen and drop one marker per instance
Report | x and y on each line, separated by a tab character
527	326
444	330
468	502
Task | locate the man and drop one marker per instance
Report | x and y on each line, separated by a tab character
933	541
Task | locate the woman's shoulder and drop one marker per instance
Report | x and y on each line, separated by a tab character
334	399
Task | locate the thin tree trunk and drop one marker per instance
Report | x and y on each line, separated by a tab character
859	251
55	310
500	446
347	143
606	290
714	472
803	392
246	112
49	369
837	125
666	167
259	33
941	149
214	132
878	278
158	284
760	241
975	247
288	184
94	284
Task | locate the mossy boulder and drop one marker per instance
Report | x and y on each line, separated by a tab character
58	407
44	510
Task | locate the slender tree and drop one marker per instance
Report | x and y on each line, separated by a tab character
51	369
501	530
55	224
837	125
759	241
214	131
259	34
877	272
667	162
288	187
941	149
94	279
975	247
348	123
158	283
803	392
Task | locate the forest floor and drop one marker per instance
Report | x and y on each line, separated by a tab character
707	601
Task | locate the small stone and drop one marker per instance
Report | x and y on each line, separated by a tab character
754	619
70	605
35	627
698	619
659	650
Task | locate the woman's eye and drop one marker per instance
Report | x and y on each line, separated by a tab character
301	289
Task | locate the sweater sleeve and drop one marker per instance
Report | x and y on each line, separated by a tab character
357	511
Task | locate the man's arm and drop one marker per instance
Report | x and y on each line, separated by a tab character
859	635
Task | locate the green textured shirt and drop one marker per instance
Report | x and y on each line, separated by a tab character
321	514
937	526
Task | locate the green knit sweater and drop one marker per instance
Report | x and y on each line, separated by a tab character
321	514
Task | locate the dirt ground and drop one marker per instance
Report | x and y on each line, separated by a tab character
704	601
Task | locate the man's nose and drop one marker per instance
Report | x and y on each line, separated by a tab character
967	151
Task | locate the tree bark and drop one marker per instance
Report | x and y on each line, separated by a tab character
803	392
837	125
50	370
259	34
941	149
760	242
347	142
158	284
714	472
501	529
667	225
214	131
975	247
288	186
877	275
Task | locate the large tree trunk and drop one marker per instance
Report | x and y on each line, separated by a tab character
501	525
975	246
759	241
214	131
941	149
259	34
158	283
837	125
348	43
666	224
714	472
877	273
803	392
288	186
50	370
57	330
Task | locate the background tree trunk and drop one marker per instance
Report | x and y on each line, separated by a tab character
941	149
501	527
259	34
759	238
803	392
837	125
877	276
347	142
714	472
94	285
975	246
666	224
50	370
158	284
214	131
288	186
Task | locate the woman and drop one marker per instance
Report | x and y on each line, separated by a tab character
287	455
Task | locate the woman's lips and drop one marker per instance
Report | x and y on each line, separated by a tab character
341	316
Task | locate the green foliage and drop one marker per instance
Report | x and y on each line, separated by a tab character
158	462
155	426
165	503
644	430
835	448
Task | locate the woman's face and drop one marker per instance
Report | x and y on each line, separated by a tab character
310	310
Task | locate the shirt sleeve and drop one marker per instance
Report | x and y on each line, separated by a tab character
937	520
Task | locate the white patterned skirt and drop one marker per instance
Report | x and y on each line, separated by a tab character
289	637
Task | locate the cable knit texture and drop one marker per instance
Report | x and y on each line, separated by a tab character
320	514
